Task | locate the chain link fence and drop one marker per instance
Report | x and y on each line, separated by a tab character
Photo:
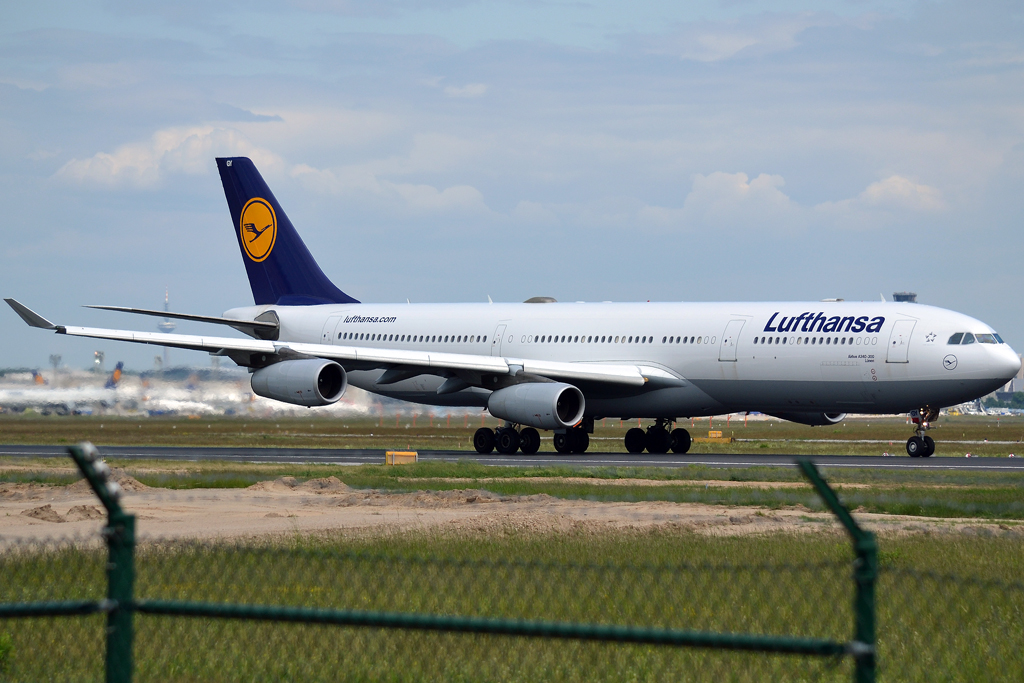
315	609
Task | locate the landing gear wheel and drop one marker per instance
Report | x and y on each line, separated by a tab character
582	441
483	440
563	443
507	441
529	441
929	446
680	441
657	440
635	439
915	447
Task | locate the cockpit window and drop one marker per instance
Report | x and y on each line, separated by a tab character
998	338
985	338
955	339
968	338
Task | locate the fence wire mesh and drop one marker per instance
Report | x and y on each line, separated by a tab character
931	626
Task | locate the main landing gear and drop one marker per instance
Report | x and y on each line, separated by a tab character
506	440
919	445
658	438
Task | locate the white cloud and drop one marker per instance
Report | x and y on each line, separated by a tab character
361	183
466	91
171	150
731	201
898	192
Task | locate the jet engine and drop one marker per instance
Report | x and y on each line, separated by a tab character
812	419
308	382
544	405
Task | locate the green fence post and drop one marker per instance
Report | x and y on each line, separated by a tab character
865	572
119	535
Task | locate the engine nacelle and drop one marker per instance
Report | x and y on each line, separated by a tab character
544	405
812	419
307	382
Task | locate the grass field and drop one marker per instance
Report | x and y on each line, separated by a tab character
955	436
932	626
940	493
950	605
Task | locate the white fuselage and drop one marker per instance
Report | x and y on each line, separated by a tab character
856	357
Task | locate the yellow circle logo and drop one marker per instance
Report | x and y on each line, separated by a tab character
258	227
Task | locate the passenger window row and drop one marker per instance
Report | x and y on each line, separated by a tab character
687	340
584	339
412	338
825	341
968	338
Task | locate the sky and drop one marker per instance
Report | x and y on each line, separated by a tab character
450	150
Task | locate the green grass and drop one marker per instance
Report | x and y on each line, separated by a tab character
946	610
860	436
984	495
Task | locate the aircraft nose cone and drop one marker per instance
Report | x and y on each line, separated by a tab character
1008	363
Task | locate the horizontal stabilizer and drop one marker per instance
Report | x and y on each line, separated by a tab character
30	316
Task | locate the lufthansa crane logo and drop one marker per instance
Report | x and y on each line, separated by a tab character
258	228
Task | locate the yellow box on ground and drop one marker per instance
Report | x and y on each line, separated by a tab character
714	436
400	457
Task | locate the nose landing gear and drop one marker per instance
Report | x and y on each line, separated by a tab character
920	445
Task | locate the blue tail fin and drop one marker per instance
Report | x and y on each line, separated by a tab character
281	270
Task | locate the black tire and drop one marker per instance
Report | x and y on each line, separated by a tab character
915	447
657	440
563	442
635	440
507	441
929	447
529	441
680	441
483	440
581	441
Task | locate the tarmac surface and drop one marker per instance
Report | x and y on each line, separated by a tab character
363	457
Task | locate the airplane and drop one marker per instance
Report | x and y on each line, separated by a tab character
544	365
62	401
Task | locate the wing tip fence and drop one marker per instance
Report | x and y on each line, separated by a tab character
120	604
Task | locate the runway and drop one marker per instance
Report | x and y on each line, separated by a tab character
363	457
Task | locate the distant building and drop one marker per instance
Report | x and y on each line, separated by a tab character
906	297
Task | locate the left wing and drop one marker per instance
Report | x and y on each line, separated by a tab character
259	352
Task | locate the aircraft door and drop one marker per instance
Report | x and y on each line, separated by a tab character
730	339
327	336
899	341
496	340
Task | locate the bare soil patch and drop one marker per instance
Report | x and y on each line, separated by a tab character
286	506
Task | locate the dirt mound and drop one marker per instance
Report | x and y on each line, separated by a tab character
279	484
127	482
80	513
325	485
22	491
45	513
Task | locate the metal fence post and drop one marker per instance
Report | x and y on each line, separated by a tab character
865	572
119	535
